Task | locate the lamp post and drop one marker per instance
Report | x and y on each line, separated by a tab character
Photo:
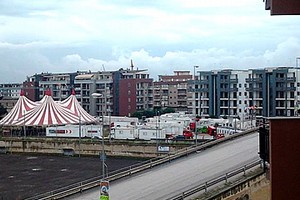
297	64
104	184
24	127
79	127
196	137
157	129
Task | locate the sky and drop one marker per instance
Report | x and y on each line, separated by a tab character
160	36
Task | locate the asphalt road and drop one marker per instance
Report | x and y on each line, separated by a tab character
170	179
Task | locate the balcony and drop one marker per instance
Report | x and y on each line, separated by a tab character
249	80
257	89
291	79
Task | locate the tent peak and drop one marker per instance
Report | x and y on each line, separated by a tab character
73	91
48	92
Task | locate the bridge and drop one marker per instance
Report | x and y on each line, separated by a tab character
172	178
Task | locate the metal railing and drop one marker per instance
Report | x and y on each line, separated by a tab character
204	186
128	171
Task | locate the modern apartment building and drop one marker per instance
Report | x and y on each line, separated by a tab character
171	91
87	83
121	92
60	85
219	93
132	91
265	92
275	91
11	90
9	94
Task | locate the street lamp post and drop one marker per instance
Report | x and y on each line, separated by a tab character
196	137
297	64
79	127
24	127
157	129
104	184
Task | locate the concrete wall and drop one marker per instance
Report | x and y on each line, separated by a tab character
84	147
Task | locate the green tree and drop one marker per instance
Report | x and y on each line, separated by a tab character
151	113
168	110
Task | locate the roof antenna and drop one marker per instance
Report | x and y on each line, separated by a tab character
131	65
103	67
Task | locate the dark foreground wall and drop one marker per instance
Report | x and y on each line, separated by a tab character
285	158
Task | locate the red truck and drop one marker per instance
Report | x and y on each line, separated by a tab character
187	134
211	130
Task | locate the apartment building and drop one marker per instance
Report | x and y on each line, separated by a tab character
219	93
122	92
265	92
275	91
9	94
132	91
11	90
172	91
60	85
87	83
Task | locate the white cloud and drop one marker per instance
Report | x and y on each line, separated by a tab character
162	36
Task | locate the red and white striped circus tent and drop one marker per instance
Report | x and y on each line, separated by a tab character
72	104
47	112
21	108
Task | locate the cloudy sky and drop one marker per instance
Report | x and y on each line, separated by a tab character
161	36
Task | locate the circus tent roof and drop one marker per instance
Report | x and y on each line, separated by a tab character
72	104
46	112
22	107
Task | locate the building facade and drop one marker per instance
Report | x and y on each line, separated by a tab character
265	92
87	83
172	91
132	91
60	85
9	94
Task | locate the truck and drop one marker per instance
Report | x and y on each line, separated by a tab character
212	131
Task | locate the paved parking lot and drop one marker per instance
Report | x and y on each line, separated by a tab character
23	176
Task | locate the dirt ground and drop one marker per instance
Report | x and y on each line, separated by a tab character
23	176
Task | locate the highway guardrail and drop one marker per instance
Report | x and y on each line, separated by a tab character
223	178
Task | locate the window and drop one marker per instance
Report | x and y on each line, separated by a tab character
292	95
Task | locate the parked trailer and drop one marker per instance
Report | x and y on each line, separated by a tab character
145	133
126	133
117	120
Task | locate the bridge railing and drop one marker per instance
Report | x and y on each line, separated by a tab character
128	171
213	182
